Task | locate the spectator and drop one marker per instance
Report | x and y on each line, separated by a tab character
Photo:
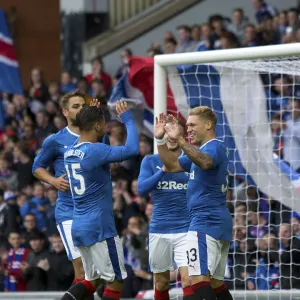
8	176
59	122
228	41
98	73
282	23
267	34
32	272
170	46
243	263
54	91
83	85
37	206
29	138
59	270
196	33
263	9
66	84
11	116
135	253
168	35
289	256
238	23
44	127
250	37
266	275
218	28
22	165
3	218
257	223
291	136
124	56
292	20
52	109
38	89
185	43
50	211
17	256
29	226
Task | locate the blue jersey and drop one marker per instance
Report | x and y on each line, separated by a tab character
52	151
207	191
168	191
87	166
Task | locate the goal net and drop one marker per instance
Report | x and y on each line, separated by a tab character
255	93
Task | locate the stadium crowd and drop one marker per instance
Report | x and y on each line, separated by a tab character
265	248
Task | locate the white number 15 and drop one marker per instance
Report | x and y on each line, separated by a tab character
81	189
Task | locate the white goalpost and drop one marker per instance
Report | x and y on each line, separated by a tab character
251	90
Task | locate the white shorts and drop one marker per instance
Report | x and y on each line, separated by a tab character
104	260
65	232
206	254
164	249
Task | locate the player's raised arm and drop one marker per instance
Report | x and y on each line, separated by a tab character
147	181
202	160
168	158
91	124
43	160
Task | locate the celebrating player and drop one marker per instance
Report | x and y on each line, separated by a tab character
93	228
210	229
52	151
170	219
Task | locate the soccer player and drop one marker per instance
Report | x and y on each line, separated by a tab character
93	228
170	219
210	229
52	152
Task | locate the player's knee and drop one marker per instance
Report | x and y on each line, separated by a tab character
185	279
161	284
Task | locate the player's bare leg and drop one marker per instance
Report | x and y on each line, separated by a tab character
78	269
201	285
220	289
162	283
188	292
79	274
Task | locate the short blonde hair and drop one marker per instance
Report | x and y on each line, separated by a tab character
205	113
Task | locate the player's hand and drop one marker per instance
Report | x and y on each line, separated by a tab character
172	128
60	183
95	102
121	107
159	128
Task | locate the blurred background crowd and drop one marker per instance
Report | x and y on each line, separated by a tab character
265	251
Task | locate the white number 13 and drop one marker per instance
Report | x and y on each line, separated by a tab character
81	189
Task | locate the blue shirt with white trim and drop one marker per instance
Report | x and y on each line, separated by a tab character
52	152
206	192
168	192
87	166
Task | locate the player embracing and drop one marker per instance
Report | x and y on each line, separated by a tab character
93	228
210	229
52	152
170	219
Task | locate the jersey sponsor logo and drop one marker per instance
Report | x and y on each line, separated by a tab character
192	175
171	185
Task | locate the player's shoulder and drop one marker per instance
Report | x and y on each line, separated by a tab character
214	144
66	133
151	158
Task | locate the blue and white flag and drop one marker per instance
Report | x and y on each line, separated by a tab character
10	80
237	97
